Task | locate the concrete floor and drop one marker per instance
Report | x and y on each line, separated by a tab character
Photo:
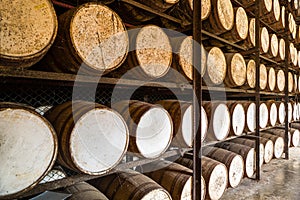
280	180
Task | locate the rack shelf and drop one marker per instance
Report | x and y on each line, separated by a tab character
83	177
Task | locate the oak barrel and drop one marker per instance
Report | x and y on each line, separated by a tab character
183	57
181	114
237	118
271	105
218	119
277	141
281	112
290	112
280	83
251	143
28	29
248	154
214	174
88	42
84	191
266	7
281	50
249	108
233	162
216	67
274	15
263	115
263	76
130	185
291	82
274	46
280	24
280	131
92	137
236	70
150	127
173	177
266	146
295	83
239	31
293	54
295	137
28	148
221	18
271	79
251	73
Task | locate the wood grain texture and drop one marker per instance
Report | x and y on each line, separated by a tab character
130	185
28	29
88	41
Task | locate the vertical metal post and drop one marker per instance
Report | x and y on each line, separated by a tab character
257	87
286	89
197	98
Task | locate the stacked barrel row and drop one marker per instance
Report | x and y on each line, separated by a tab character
86	137
234	118
147	52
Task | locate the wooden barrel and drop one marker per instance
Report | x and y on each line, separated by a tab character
183	10
281	112
249	42
183	57
151	55
236	70
96	51
81	126
136	16
280	131
189	164
218	119
251	71
280	83
80	2
221	18
292	25
291	82
239	31
216	67
280	24
266	7
271	79
295	83
290	112
274	46
250	142
248	154
295	134
232	161
264	40
295	111
266	146
150	127
263	76
173	177
28	29
84	191
281	51
274	15
130	185
277	141
237	118
293	54
271	105
249	108
263	115
181	114
28	148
